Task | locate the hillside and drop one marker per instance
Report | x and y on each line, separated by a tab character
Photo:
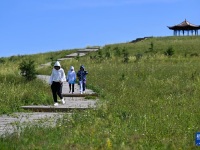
149	102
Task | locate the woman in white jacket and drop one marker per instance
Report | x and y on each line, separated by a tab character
56	81
71	78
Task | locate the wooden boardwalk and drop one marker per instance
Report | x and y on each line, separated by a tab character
81	52
15	122
74	101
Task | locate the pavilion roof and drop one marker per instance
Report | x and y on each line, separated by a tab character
184	26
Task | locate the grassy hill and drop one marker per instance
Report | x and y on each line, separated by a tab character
15	91
151	102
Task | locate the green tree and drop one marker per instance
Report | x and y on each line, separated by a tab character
27	68
125	55
170	51
117	51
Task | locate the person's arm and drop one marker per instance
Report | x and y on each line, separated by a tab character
67	76
63	77
75	75
85	72
78	74
51	78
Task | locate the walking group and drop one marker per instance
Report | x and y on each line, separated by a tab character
58	77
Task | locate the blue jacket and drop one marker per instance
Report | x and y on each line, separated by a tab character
82	74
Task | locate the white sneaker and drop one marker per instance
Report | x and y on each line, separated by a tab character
63	101
72	92
55	104
83	92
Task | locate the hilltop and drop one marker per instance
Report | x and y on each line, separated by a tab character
148	90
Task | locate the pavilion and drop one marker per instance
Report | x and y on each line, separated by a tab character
185	26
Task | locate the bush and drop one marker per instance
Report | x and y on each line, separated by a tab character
138	56
117	51
170	51
125	55
78	56
2	60
194	54
28	69
100	53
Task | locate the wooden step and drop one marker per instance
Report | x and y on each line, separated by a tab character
79	95
52	108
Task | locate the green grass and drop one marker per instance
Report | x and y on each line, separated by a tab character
15	91
152	103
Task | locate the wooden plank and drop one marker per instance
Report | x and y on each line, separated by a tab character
52	109
79	95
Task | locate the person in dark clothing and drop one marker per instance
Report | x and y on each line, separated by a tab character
82	78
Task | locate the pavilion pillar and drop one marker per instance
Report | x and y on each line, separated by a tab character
188	32
195	32
192	32
183	32
179	32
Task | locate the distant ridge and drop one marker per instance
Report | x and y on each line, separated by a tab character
141	39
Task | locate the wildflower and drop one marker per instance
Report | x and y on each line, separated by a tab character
109	144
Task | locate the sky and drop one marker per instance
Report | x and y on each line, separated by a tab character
39	26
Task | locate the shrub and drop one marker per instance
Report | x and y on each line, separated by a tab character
100	53
2	60
77	57
194	54
108	54
125	55
138	56
170	51
151	49
28	69
117	51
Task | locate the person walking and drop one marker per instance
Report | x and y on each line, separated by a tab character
82	78
71	78
56	81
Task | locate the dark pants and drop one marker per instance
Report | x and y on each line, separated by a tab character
56	88
71	85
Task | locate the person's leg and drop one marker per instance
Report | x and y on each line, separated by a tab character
72	87
80	82
59	90
69	87
53	88
84	86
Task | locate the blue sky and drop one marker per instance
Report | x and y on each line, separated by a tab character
38	26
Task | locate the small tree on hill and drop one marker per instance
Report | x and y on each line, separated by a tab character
125	55
117	51
170	51
151	49
28	70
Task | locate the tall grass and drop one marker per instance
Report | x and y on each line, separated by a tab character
152	103
15	91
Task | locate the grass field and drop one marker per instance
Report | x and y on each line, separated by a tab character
151	102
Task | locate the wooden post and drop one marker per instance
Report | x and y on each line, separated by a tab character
183	32
179	32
